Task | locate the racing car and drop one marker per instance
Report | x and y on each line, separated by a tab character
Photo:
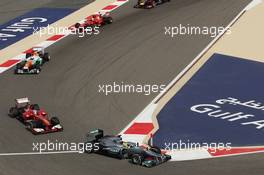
114	146
33	61
148	4
96	20
35	119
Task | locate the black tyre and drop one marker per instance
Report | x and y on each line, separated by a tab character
136	159
30	125
39	124
46	57
13	112
54	121
99	135
155	149
20	65
108	20
90	149
77	25
154	4
37	69
123	154
28	55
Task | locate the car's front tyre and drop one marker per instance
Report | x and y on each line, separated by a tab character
136	159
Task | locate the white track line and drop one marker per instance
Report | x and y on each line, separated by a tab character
38	153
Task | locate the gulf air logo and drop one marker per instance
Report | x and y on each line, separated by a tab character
244	119
23	25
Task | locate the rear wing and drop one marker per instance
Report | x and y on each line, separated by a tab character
95	134
22	100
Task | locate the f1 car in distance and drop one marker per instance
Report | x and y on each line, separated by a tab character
96	20
33	61
35	119
114	146
148	4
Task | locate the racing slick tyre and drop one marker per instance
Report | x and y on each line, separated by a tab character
28	55
99	135
77	25
154	4
108	20
91	150
37	69
13	112
30	125
79	28
155	149
136	159
54	121
46	57
123	154
20	65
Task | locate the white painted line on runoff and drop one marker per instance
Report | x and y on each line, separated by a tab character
38	153
253	4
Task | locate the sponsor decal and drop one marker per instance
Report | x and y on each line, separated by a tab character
29	23
216	111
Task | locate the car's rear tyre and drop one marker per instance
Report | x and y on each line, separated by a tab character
136	159
108	20
155	149
38	69
77	25
154	4
28	55
46	57
91	149
30	125
123	154
20	65
13	112
54	121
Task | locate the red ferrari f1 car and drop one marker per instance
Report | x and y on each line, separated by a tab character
96	20
35	119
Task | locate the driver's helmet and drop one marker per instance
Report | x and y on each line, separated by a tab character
93	17
125	145
35	112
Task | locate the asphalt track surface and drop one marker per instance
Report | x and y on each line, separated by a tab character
133	49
